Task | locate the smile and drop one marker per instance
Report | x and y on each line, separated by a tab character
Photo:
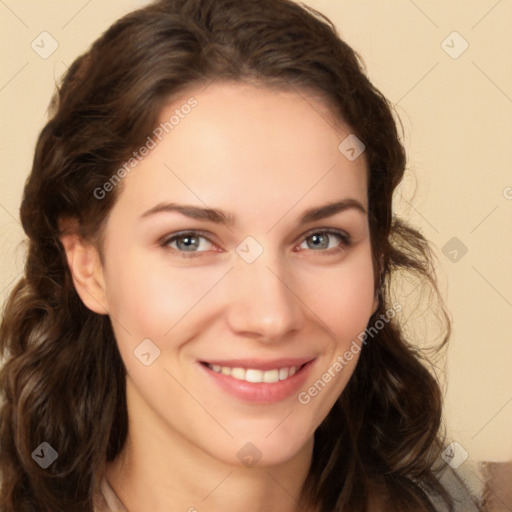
256	381
255	375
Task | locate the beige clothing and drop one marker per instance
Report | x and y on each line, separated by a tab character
106	499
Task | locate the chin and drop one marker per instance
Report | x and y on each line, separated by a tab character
260	451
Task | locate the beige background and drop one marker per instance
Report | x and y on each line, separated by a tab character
457	116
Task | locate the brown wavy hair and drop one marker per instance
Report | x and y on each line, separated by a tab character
63	380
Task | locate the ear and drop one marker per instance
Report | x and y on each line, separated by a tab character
87	272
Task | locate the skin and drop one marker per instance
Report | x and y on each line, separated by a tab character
265	157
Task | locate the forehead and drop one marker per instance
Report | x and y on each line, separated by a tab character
238	146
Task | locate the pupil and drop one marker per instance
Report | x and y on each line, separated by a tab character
188	242
317	240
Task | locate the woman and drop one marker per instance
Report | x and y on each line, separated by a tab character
207	319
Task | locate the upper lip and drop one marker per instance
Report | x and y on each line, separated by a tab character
260	364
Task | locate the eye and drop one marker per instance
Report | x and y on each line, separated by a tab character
326	240
191	243
187	242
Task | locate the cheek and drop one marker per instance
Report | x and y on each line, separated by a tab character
148	296
152	300
343	297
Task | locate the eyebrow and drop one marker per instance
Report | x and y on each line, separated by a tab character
222	217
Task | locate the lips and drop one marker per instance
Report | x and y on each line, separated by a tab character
258	380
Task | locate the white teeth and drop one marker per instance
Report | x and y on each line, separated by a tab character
237	373
271	376
254	375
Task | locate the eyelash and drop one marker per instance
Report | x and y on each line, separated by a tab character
345	241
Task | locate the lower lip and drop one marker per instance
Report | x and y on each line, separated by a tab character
260	392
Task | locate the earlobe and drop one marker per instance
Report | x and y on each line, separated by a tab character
87	273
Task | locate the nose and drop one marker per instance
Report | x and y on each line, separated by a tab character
263	300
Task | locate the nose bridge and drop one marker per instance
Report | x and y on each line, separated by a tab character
260	298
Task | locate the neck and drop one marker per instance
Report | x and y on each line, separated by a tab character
159	470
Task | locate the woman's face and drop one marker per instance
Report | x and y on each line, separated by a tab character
232	286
